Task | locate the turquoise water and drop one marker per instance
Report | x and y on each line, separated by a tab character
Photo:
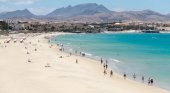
144	54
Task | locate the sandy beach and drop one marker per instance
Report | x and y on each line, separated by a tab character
35	66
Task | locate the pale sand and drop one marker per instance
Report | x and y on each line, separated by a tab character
17	75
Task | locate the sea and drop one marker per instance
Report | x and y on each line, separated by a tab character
144	54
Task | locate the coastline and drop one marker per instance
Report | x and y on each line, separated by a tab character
63	74
118	72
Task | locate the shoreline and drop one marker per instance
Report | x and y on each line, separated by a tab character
118	73
47	72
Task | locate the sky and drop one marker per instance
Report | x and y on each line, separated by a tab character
41	7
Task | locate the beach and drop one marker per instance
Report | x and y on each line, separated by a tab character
35	66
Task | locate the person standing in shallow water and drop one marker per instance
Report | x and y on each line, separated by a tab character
106	66
149	81
106	62
124	75
143	78
134	76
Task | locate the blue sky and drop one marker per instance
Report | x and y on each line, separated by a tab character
45	6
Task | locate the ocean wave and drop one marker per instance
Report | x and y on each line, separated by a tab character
115	60
154	38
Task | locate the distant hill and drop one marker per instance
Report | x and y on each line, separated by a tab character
90	12
82	9
18	14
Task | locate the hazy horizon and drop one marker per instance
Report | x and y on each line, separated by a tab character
41	7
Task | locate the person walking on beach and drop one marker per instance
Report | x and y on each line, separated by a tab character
76	61
143	78
104	65
124	75
105	72
134	76
111	73
29	60
35	49
101	61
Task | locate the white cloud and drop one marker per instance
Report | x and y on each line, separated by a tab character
40	11
25	2
5	9
19	2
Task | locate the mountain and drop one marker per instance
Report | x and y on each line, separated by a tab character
2	13
90	12
126	16
145	15
82	9
18	14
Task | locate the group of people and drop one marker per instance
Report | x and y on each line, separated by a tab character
150	81
105	65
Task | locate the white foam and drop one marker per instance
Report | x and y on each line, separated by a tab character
115	60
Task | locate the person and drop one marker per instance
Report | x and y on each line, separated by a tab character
35	49
28	52
29	60
60	49
105	72
124	75
143	78
76	61
70	53
101	61
151	81
134	76
106	66
106	62
76	51
111	73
